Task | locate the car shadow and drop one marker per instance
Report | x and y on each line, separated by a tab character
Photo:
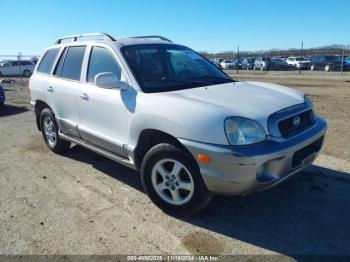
7	110
307	214
106	166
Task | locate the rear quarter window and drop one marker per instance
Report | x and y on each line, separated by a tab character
46	63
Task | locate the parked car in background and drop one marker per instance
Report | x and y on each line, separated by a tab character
347	62
278	63
299	62
23	67
267	63
2	96
223	136
328	63
239	63
261	63
217	62
34	60
248	63
228	64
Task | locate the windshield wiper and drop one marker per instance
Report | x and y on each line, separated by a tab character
214	79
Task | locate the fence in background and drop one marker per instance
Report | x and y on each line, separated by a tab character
343	54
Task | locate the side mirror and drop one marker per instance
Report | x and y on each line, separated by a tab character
109	80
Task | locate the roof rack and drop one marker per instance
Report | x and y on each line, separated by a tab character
153	36
75	37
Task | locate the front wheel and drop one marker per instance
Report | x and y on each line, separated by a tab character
49	129
172	180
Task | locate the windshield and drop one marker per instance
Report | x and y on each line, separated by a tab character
301	59
162	68
333	58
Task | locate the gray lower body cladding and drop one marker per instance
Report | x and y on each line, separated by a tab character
241	170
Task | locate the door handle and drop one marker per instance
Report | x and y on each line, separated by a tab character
84	96
50	89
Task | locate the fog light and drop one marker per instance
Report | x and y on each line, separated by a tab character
260	171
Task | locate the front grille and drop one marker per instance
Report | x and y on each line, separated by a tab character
296	124
301	155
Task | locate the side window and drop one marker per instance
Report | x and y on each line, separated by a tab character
101	61
47	61
73	63
148	63
59	66
14	63
25	63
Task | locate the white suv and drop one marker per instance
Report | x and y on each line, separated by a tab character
165	110
299	62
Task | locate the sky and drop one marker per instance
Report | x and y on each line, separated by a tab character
203	25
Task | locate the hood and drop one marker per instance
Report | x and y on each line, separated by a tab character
254	100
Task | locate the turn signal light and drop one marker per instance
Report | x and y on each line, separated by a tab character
203	158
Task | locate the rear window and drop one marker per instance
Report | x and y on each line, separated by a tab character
46	63
73	63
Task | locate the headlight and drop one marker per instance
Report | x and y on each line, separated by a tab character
243	131
308	101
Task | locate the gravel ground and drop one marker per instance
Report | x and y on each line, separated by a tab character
82	203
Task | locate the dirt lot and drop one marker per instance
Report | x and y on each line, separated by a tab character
81	203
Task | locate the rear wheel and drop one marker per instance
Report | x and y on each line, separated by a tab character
173	182
49	129
27	73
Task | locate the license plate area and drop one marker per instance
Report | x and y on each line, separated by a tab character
307	154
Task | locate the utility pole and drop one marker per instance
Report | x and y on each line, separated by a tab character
301	55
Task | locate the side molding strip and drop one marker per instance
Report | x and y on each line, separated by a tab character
124	161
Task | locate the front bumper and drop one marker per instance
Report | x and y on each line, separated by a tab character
240	170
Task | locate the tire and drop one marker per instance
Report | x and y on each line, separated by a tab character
169	158
27	73
49	130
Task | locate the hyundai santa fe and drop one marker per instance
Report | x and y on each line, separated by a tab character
163	109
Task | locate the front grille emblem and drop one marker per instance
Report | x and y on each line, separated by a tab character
296	121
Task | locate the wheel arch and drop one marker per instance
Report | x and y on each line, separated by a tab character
148	138
38	108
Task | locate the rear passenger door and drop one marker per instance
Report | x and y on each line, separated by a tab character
102	110
63	86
